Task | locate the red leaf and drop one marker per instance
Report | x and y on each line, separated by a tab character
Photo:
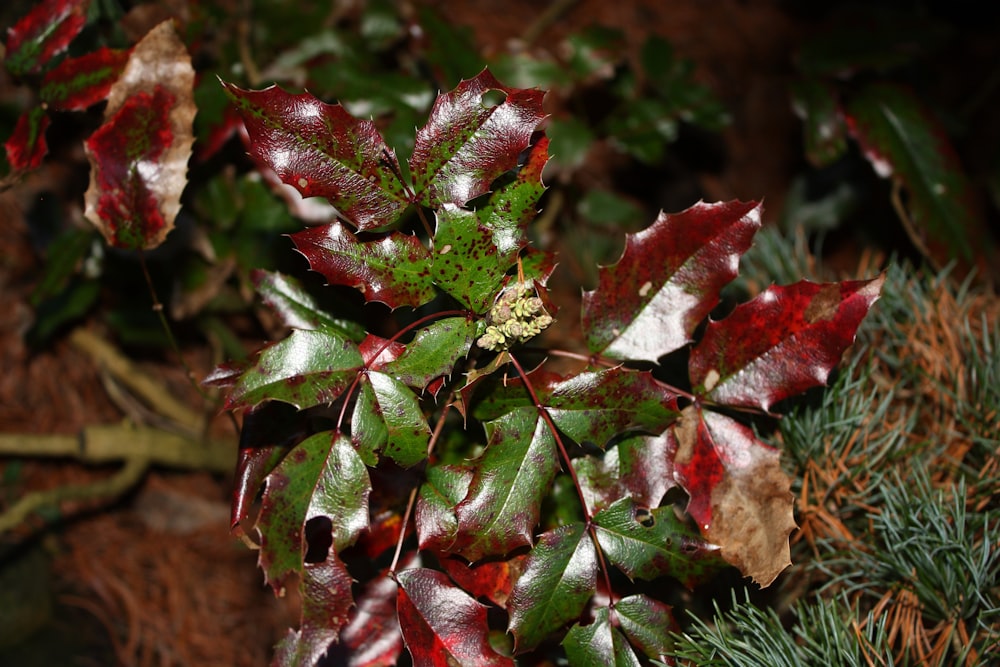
491	579
372	637
139	156
739	496
42	33
326	600
668	280
465	145
781	343
392	269
26	147
442	626
78	83
323	151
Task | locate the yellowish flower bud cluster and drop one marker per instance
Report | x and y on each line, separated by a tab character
517	316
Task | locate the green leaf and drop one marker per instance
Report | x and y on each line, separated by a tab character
435	518
595	407
406	428
465	145
297	308
648	624
465	260
307	368
559	577
825	133
511	478
323	476
433	352
512	206
599	644
640	467
369	432
902	141
393	268
650	543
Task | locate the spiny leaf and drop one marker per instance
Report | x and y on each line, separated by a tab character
465	259
78	83
326	600
599	644
558	579
648	624
322	477
505	495
139	157
296	307
781	343
512	206
465	145
491	579
307	368
595	407
902	141
640	467
323	151
435	518
372	637
42	33
433	352
442	626
668	280
26	147
407	433
650	543
392	268
739	495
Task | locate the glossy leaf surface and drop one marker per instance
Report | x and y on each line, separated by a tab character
511	477
433	352
78	83
649	543
667	281
559	578
465	144
640	467
297	308
443	626
781	343
407	432
307	368
599	644
465	261
647	623
739	495
322	477
392	268
323	151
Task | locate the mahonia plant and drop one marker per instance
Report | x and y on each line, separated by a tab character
404	486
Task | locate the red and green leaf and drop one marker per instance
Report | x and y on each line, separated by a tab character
406	429
26	147
599	644
781	343
442	625
465	259
668	280
649	543
738	494
43	33
465	144
296	308
307	368
444	488
325	589
372	637
392	268
492	579
433	352
323	151
139	156
640	467
504	500
321	478
560	576
79	83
